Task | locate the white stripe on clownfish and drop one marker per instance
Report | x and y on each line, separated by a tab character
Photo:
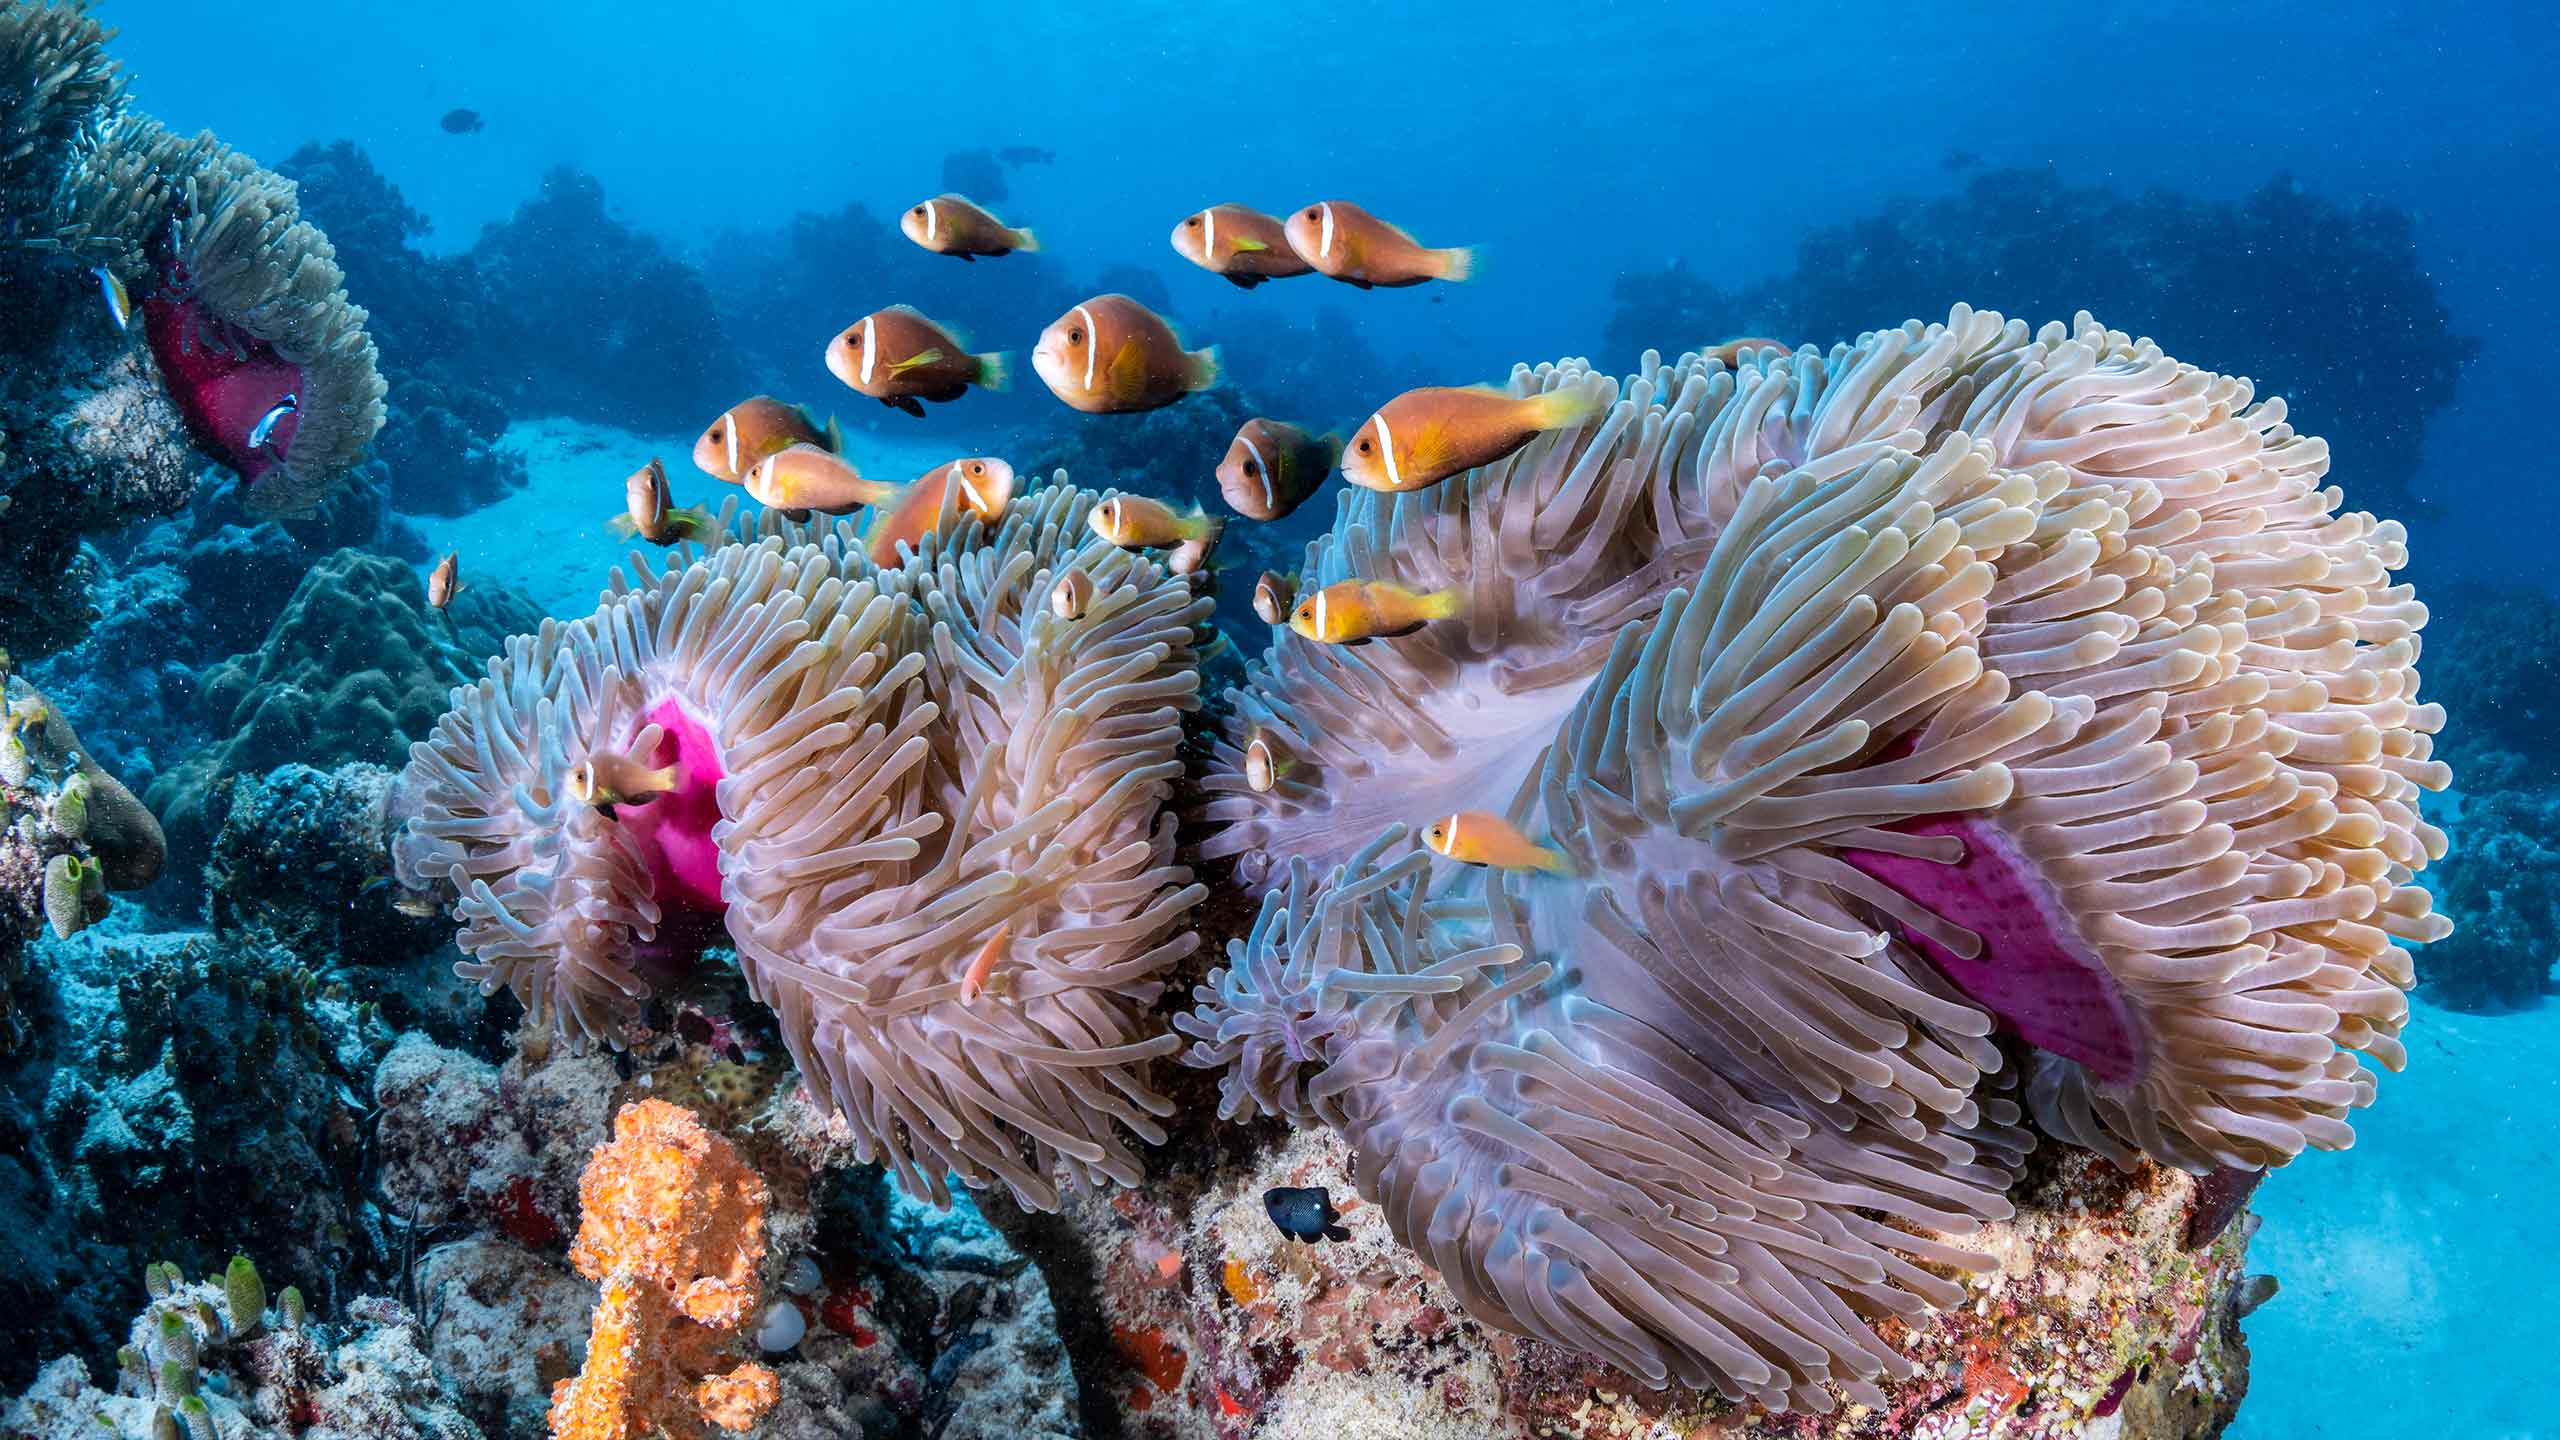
729	422
932	221
1322	601
1270	496
870	347
1387	447
1324	246
1209	232
1092	344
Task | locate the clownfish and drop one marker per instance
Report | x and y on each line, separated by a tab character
1069	598
1729	354
754	428
1479	837
1270	469
648	512
1244	245
806	477
985	488
1134	522
265	429
957	225
1355	612
1273	594
606	779
1424	436
445	581
1351	245
1265	763
901	359
1113	355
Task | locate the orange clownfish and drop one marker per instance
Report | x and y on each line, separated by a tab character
1134	522
1270	469
1242	244
1355	247
1729	354
901	359
1355	612
957	225
1112	355
649	513
754	428
1424	436
1478	837
806	477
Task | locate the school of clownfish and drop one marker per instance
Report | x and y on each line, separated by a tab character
1112	355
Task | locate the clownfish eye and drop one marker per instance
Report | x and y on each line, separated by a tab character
1075	337
1364	447
1250	468
853	337
917	211
975	468
1193	222
1315	212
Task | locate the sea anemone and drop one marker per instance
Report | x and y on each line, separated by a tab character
2030	683
928	812
57	87
242	302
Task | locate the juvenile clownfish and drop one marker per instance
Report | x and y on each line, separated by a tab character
1304	1212
1424	436
1242	244
1355	247
1134	522
649	513
1112	355
1270	469
901	359
1071	596
119	300
1479	837
266	426
1273	594
974	980
805	477
445	581
957	225
606	779
1355	612
754	428
1265	763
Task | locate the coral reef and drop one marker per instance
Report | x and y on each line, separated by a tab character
300	865
354	668
2029	682
2087	1312
2253	288
886	783
211	1359
672	1228
222	1081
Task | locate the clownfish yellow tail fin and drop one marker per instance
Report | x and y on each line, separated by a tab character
692	522
1566	408
995	370
1204	527
1024	240
1201	368
1551	860
834	436
1442	604
1458	262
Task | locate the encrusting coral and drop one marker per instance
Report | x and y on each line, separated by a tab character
672	1227
928	811
1966	679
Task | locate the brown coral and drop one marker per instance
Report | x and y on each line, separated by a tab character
672	1228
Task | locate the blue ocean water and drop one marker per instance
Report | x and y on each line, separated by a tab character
1705	169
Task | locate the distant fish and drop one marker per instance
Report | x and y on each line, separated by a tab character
1304	1213
1355	612
1113	355
810	477
265	429
461	122
1424	436
1273	594
1479	837
1242	244
1355	247
754	428
1134	522
901	359
651	515
445	581
956	225
982	968
1270	469
119	299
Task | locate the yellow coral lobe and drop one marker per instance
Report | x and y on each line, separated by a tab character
1239	1282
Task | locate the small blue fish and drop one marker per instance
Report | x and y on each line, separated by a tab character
119	299
1304	1213
266	425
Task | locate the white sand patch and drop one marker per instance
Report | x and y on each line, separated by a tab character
552	539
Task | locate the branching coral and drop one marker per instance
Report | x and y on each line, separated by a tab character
672	1227
2030	680
928	811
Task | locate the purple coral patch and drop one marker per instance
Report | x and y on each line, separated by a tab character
2034	970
